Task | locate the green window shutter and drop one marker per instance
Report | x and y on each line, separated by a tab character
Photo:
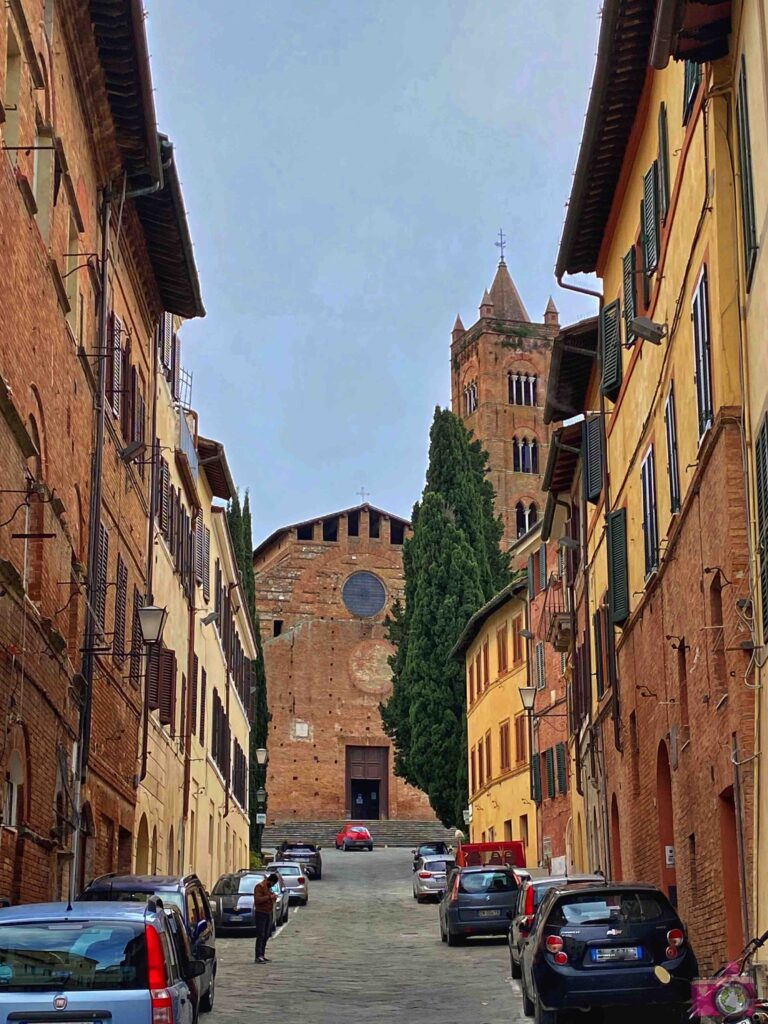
598	635
562	774
663	163
549	758
536	778
593	458
618	566
630	299
690	87
543	567
610	349
761	460
531	579
651	214
749	229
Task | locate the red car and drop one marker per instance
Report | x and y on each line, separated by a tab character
354	837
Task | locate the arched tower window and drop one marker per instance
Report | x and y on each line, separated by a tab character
533	515
470	397
534	456
515	455
522	388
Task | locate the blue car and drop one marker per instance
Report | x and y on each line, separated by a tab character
100	962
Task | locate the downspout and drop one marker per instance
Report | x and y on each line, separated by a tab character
191	681
536	807
150	558
86	707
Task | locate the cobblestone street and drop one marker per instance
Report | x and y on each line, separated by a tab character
365	950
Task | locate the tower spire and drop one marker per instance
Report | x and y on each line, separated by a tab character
501	245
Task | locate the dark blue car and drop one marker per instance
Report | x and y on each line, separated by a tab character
600	946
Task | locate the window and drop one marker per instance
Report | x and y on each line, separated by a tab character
396	532
630	297
691	82
526	517
12	93
663	163
522	388
525	455
353	523
137	640
605	652
121	601
478	674
524	828
501	648
114	382
488	764
470	398
374	524
609	330
193	694
650	520
540	676
682	680
536	778
517	640
471	685
673	463
562	770
42	182
331	528
592	447
701	344
521	738
101	577
748	223
364	594
486	663
203	702
480	764
166	692
618	568
306	531
72	262
14	780
650	225
504	754
543	576
549	767
473	771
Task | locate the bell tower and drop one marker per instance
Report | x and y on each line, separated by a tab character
499	371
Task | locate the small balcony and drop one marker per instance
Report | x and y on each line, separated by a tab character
555	624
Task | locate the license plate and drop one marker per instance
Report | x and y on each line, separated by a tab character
616	953
489	913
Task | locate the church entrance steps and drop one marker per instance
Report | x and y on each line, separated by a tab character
384	833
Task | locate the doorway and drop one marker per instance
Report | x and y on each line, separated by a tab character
365	799
367	790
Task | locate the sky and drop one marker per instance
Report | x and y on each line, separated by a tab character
346	167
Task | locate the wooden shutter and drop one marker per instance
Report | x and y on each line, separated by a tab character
167	703
630	298
531	579
549	758
593	458
703	373
203	702
748	222
673	462
165	496
651	213
663	163
116	344
167	331
536	778
609	326
121	600
102	571
183	714
543	567
691	81
199	548
176	367
650	521
193	694
206	564
128	402
562	771
761	465
153	677
137	641
540	667
597	632
618	567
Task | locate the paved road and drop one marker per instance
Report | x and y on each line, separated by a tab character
365	950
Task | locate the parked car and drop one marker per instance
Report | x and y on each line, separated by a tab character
232	901
531	894
599	946
183	949
306	854
354	837
477	902
92	961
436	849
429	879
186	893
295	880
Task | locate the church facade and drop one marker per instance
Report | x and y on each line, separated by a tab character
323	590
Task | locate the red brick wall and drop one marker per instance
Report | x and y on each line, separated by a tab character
327	670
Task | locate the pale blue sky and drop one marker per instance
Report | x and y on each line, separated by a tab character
346	166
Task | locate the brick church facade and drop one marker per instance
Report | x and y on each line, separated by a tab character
323	589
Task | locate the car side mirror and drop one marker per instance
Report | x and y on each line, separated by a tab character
206	952
194	969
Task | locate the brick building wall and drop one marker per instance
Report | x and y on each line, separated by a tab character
327	669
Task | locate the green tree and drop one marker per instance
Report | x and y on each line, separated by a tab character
452	564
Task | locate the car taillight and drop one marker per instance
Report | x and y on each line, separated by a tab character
301	880
554	944
676	937
162	1004
530	909
455	890
425	874
561	959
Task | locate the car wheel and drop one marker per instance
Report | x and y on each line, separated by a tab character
514	968
318	876
344	847
370	848
455	940
542	1016
206	1001
442	933
305	901
528	1007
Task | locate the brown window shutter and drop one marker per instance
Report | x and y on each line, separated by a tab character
199	546
176	367
167	330
206	564
137	641
167	695
183	713
103	568
128	400
193	694
203	700
165	486
153	677
116	340
121	600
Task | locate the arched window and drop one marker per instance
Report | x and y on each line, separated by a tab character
516	455
522	388
533	515
525	462
520	519
470	397
14	780
534	456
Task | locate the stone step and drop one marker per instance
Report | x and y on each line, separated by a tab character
383	833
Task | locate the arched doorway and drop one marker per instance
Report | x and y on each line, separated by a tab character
667	870
170	860
618	873
597	860
729	852
85	873
153	851
142	847
580	853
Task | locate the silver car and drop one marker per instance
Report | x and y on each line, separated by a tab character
295	880
429	877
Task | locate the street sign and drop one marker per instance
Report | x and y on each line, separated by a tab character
261	819
467	815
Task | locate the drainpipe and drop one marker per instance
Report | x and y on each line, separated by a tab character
191	680
86	706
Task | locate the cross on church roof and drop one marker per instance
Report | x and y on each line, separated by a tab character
501	245
363	494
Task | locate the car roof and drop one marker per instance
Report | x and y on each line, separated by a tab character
564	881
467	868
141	882
433	842
85	910
438	856
297	842
602	887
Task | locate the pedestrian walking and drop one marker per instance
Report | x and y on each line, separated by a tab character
263	903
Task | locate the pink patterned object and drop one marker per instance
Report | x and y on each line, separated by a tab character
704	990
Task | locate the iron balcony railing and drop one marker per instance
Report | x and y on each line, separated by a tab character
555	623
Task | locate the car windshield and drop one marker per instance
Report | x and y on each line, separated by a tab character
486	881
169	898
604	908
438	865
72	956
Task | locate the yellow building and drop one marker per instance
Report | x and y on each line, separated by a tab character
192	807
662	646
500	784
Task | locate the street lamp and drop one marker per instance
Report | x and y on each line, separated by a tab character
261	795
151	622
261	757
527	698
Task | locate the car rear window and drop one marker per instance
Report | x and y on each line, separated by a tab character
175	899
439	865
360	829
288	869
72	956
427	848
604	908
299	848
486	881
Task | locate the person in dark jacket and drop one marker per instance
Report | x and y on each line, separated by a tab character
263	903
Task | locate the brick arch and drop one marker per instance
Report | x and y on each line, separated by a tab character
18	744
38	417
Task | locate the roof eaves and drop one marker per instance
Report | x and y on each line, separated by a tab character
316	519
518	584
